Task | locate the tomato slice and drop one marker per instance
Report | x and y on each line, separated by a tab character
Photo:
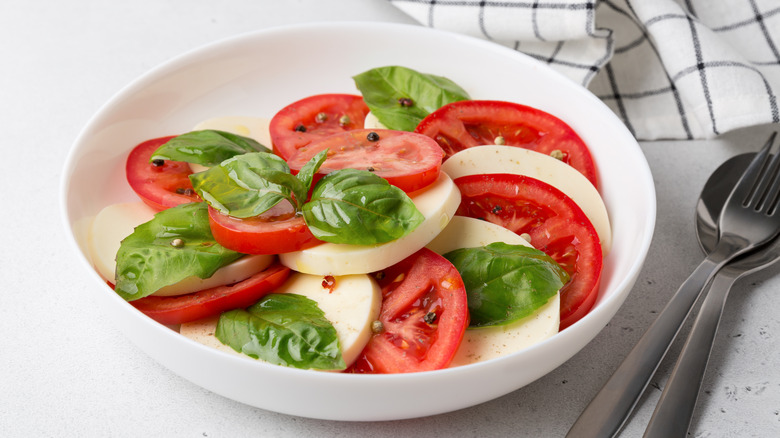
555	223
276	231
407	160
469	123
424	313
163	186
314	117
210	302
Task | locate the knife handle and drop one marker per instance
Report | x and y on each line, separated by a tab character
609	409
672	415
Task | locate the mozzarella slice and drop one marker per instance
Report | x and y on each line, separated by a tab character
437	203
371	122
118	221
515	160
351	305
480	344
253	127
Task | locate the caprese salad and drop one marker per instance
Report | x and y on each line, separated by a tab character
403	228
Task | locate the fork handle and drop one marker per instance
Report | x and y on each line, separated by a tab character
609	409
672	416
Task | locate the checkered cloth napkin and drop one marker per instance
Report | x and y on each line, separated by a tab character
669	69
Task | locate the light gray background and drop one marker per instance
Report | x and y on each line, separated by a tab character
66	372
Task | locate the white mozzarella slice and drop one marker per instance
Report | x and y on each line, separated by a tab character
118	221
253	127
486	343
351	305
437	203
371	122
481	344
467	232
515	160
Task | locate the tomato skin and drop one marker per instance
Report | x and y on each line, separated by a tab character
277	231
211	302
314	117
159	186
556	224
423	282
406	160
470	123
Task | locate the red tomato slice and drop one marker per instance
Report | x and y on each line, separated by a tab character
406	160
211	302
469	123
555	223
424	313
160	187
314	117
276	231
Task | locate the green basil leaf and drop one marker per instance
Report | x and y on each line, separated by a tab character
245	185
283	329
401	97
306	175
151	256
505	282
360	208
208	147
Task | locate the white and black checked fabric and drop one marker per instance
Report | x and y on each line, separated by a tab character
670	69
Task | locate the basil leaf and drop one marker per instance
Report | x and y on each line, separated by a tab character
147	259
401	97
283	329
306	174
505	283
360	208
245	185
207	147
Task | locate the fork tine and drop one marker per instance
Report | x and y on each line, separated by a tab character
752	183
770	201
761	196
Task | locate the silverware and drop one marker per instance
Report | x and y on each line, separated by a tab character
747	220
672	416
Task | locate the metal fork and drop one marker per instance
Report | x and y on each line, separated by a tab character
749	219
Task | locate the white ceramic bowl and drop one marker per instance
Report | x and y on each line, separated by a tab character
258	73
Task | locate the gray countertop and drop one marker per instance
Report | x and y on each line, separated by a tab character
60	376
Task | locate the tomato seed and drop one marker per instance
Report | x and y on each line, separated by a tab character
500	140
177	243
321	117
344	120
377	327
329	283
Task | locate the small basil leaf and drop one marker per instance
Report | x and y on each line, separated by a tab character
306	175
401	97
283	329
207	147
176	244
360	208
245	185
505	282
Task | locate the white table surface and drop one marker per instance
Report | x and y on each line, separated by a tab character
66	372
